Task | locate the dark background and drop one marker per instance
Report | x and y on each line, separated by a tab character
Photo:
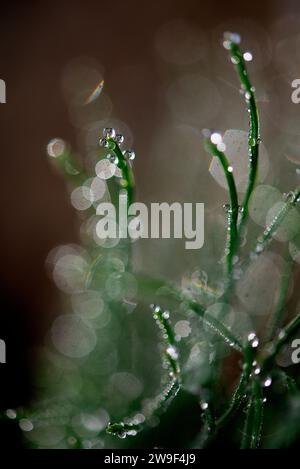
37	41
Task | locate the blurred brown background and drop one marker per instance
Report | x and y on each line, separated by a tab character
134	44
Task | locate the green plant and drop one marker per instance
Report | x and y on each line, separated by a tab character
253	358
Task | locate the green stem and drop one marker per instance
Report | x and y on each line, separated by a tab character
254	418
254	130
209	420
257	413
239	393
91	271
158	404
217	326
127	173
236	400
234	206
293	199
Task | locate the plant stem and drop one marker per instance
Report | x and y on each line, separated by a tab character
236	400
216	325
91	271
127	173
209	420
292	200
254	418
254	130
234	206
239	393
158	404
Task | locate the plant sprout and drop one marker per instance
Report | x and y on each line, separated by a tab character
110	275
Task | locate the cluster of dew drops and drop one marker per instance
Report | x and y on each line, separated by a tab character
253	341
109	140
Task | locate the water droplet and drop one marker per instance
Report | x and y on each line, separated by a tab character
264	399
131	432
226	45
172	352
289	196
226	208
109	132
230	169
112	158
257	371
232	37
56	147
103	142
259	248
253	339
221	147
129	155
166	314
204	405
247	96
26	425
248	56
216	138
235	60
281	335
155	308
11	413
120	138
267	382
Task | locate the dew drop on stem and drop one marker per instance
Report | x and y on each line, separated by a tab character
109	132
120	138
129	155
247	56
235	60
267	382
